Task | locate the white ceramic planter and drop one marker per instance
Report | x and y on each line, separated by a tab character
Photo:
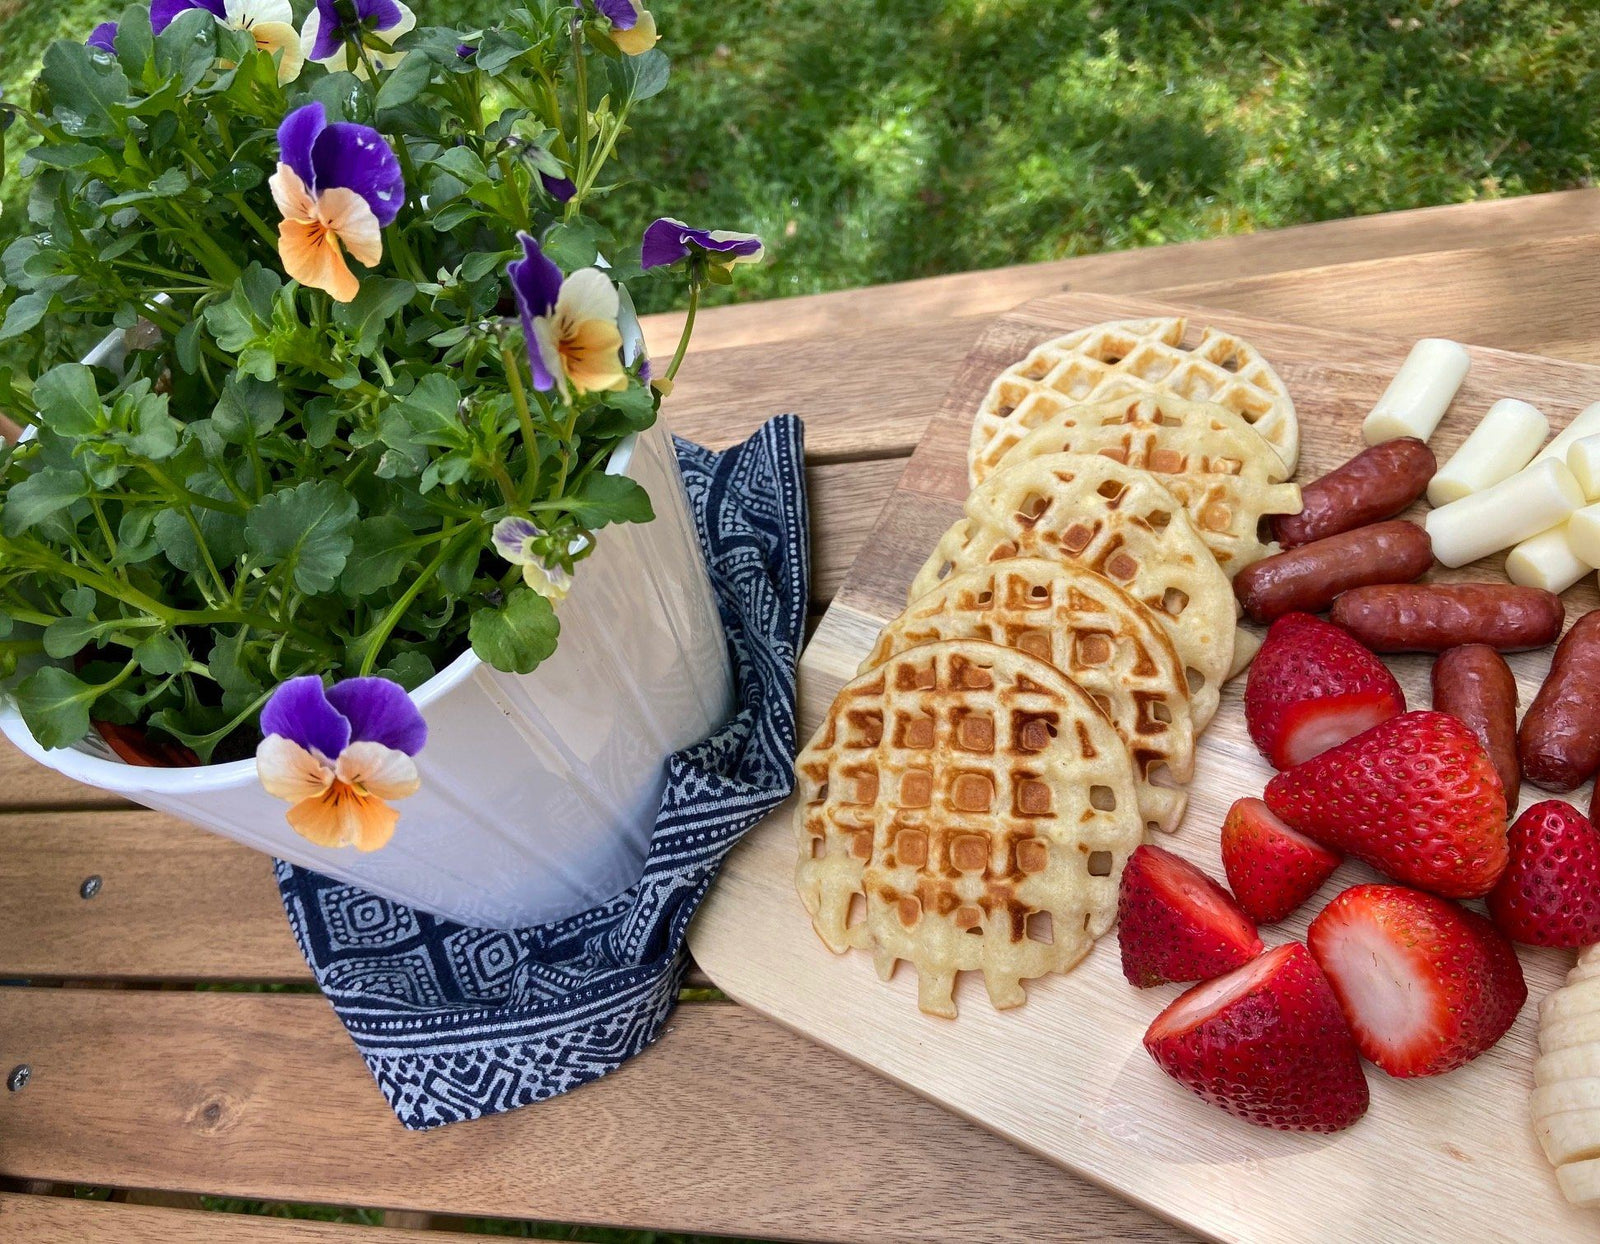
539	791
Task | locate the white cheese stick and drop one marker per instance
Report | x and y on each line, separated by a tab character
1583	533
1546	560
1583	459
1504	442
1580	1181
1585	423
1416	398
1535	499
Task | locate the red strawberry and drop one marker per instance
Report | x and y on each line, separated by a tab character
1311	687
1415	796
1550	893
1426	985
1266	1043
1271	869
1177	924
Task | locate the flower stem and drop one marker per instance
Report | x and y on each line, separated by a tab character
385	628
530	444
688	328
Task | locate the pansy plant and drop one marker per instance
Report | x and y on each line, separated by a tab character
340	757
384	350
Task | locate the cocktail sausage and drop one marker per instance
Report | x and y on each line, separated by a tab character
1474	684
1430	617
1308	578
1374	485
1560	737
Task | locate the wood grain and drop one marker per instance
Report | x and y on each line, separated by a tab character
44	1219
728	1125
1065	1075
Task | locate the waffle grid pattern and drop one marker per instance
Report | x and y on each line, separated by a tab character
964	807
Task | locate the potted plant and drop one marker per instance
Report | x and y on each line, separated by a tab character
367	429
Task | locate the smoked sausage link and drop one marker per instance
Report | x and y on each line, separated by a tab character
1430	617
1307	579
1560	737
1376	484
1474	684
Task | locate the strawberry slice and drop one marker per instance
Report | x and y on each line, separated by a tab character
1426	984
1176	924
1550	893
1311	687
1267	1043
1415	796
1271	869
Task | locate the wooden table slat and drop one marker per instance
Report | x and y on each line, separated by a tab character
728	1125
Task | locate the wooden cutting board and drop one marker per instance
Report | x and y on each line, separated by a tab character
1447	1158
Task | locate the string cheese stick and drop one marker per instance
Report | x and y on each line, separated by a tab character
1416	398
1583	534
1504	442
1585	423
1583	458
1546	560
1535	499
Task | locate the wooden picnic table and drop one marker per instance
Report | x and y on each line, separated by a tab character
143	1084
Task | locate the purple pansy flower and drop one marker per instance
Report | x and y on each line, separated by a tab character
336	187
328	27
339	755
162	12
558	188
103	37
570	326
515	540
667	241
633	29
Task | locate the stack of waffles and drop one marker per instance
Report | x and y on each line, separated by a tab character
972	794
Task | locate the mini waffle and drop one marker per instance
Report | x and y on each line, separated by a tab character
1120	523
1107	642
964	807
1138	356
1226	476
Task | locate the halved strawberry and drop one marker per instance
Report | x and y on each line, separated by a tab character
1550	893
1176	924
1271	869
1426	985
1267	1043
1311	687
1415	796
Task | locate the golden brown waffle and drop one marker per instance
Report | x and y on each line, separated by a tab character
1107	642
1212	461
1119	522
964	807
1140	356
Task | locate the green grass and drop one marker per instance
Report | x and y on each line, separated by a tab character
878	142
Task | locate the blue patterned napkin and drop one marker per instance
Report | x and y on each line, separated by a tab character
457	1022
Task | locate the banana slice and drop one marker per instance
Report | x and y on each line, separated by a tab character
1580	1182
1564	1096
1572	1136
1576	998
1579	1030
1581	1062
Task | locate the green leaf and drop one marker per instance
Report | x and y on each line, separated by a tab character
603	499
38	497
247	410
404	82
135	40
377	557
307	527
68	402
445	219
363	316
66	637
160	654
55	705
637	406
645	75
480	263
223	531
409	669
170	183
517	636
186	50
82	86
24	314
498	48
575	243
146	429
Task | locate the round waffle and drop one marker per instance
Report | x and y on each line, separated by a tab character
964	807
1091	630
1212	461
1137	356
1120	523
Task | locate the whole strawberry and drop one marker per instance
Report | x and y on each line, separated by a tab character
1176	924
1426	984
1271	869
1549	895
1311	687
1416	797
1267	1043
